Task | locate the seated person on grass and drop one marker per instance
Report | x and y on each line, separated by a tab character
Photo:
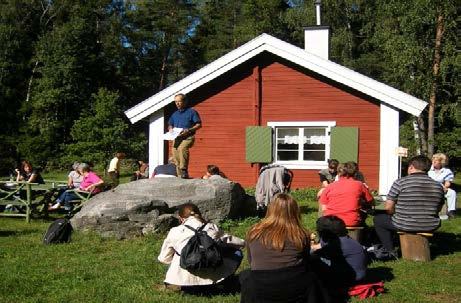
142	172
343	197
412	205
89	184
178	278
213	173
165	170
339	260
278	252
28	173
328	175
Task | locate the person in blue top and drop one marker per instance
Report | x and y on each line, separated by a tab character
188	119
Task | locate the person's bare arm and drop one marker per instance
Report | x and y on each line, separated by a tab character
70	182
192	130
325	184
446	185
18	175
32	178
389	207
94	185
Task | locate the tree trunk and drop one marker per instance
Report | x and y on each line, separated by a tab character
416	132
434	86
29	86
163	69
422	134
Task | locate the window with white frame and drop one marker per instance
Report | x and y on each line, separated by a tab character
302	144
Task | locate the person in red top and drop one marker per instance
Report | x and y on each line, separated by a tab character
342	198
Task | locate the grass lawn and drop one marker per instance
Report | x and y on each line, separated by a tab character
92	269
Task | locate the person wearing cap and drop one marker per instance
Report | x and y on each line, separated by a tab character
189	120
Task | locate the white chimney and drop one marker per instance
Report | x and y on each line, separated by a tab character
317	38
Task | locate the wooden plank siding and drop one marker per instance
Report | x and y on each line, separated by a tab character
269	89
292	94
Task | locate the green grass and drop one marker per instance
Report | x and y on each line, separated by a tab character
92	269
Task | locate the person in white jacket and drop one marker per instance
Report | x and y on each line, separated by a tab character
177	238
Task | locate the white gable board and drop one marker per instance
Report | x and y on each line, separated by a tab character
265	42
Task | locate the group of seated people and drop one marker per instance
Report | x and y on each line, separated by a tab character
169	170
81	178
284	266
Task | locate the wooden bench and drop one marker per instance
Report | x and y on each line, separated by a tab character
415	246
355	232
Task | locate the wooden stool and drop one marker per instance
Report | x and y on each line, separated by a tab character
415	246
355	232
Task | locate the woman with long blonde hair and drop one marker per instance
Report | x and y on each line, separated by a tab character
278	253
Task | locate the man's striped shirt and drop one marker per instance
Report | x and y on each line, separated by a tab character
417	200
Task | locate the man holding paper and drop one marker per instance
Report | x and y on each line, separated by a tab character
187	119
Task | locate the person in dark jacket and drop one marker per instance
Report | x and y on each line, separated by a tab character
342	261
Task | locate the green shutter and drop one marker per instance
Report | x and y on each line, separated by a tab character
344	144
258	147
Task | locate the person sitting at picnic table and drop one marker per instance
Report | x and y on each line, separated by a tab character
444	176
213	172
343	197
90	183
178	278
142	172
278	253
74	178
27	173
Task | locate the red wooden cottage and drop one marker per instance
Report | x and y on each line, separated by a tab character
271	102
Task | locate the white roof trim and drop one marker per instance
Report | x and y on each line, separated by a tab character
265	42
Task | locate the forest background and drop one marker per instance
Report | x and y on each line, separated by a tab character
68	69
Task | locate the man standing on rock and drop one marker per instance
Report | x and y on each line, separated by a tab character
188	119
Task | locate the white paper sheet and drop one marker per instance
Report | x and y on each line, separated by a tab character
171	135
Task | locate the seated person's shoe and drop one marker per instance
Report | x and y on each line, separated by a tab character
451	214
54	206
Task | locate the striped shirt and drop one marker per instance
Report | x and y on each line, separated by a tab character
417	200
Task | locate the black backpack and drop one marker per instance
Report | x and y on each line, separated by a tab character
58	232
201	251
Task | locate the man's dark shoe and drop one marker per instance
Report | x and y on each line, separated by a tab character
451	214
184	174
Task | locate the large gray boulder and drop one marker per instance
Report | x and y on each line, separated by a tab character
148	206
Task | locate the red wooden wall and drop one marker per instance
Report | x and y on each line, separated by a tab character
269	89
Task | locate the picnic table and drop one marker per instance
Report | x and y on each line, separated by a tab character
33	197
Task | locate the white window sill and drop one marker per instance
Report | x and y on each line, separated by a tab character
300	165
